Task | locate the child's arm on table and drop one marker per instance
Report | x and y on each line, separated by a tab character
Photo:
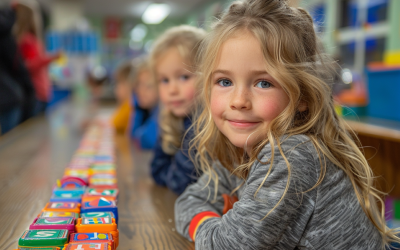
178	171
243	227
160	163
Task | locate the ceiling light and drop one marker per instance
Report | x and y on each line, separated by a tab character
139	32
155	13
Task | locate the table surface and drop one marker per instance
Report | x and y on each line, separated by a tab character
35	154
374	127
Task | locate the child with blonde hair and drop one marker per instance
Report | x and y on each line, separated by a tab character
172	61
268	134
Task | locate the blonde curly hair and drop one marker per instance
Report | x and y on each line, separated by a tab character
293	57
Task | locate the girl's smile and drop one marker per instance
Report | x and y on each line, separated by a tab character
243	124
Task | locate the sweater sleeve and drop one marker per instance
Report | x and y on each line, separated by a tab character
245	226
160	163
199	198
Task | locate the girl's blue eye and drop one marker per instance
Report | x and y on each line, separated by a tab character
164	81
225	83
184	77
263	84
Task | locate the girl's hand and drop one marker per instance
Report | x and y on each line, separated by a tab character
228	202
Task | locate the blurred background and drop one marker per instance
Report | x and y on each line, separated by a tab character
85	41
97	35
76	46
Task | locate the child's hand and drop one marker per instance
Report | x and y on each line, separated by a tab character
228	202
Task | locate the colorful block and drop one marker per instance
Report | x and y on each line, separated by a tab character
67	223
38	248
58	214
100	205
73	182
102	182
99	225
59	191
67	197
88	246
102	192
109	171
92	238
43	238
83	173
102	166
63	207
97	214
95	193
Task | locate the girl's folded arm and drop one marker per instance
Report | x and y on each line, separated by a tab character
160	164
246	227
199	198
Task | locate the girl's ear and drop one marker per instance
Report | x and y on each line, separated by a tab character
302	106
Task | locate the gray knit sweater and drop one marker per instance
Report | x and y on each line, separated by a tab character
327	217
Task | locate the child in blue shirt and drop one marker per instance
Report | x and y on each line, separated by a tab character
144	118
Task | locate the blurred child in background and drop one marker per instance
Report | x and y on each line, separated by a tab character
143	121
123	92
29	37
172	61
17	95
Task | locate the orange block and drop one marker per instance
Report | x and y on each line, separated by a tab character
63	207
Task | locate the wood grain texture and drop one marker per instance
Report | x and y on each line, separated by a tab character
35	154
376	128
380	141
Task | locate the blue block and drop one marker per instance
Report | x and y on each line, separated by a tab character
66	198
74	191
100	205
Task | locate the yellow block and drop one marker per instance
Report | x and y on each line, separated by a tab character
392	57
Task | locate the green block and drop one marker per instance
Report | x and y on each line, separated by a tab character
43	238
52	221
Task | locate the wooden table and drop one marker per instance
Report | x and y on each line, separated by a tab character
381	145
36	153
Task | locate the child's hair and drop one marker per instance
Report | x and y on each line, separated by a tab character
293	57
140	65
186	39
28	19
124	72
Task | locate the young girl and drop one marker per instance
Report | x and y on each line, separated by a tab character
172	60
268	133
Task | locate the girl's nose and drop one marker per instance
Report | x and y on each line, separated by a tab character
240	100
173	88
